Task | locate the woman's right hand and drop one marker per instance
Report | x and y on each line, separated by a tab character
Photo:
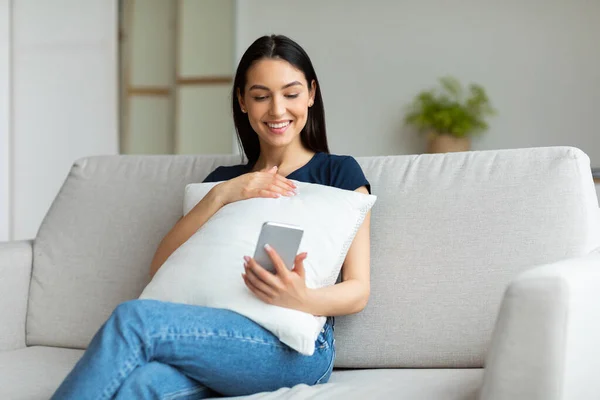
265	183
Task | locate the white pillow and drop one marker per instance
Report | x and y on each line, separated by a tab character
206	270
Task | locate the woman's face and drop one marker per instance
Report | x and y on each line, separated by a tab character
276	99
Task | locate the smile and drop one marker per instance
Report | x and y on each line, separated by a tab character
278	125
278	128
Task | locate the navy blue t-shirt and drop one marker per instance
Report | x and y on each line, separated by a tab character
342	172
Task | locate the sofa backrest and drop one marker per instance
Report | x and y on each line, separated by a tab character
449	231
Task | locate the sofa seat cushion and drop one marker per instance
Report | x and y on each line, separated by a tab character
34	373
405	384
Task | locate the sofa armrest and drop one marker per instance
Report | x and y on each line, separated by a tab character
546	343
15	274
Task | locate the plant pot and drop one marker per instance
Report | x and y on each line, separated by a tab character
443	143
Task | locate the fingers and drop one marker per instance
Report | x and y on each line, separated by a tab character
271	170
267	183
267	194
282	189
280	179
280	267
299	264
261	274
257	292
272	192
277	187
274	187
253	280
286	181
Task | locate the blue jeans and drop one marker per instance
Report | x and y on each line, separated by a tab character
150	349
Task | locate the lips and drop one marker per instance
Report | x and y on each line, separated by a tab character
278	127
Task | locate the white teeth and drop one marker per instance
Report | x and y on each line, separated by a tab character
280	125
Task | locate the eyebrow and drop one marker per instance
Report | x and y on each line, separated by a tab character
261	87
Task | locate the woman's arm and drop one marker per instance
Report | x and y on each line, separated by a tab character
266	183
352	294
185	228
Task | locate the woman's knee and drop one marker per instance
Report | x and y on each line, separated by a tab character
130	316
130	310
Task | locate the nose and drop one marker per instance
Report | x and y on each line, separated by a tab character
277	108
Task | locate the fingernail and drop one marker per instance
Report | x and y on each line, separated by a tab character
246	265
291	193
267	247
246	258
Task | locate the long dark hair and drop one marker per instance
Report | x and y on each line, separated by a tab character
313	135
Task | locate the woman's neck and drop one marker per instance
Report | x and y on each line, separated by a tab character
286	159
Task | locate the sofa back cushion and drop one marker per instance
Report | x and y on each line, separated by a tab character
448	234
94	247
448	231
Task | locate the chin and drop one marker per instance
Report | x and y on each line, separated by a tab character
279	141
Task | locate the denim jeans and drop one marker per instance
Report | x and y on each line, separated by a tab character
150	349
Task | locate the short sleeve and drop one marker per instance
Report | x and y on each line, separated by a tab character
348	174
225	173
214	176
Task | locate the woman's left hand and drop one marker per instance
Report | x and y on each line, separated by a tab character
285	288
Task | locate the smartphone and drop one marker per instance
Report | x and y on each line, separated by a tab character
284	238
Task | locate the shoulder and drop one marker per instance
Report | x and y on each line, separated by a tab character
342	162
346	172
225	173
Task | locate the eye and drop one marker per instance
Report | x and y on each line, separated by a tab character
291	96
260	98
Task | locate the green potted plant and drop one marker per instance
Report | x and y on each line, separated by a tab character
450	117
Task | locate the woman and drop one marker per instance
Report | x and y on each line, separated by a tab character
151	349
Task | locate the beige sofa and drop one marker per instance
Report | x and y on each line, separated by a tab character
478	259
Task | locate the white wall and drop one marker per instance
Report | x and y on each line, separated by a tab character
64	85
4	120
538	60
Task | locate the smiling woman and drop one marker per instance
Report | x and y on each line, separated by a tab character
279	118
261	94
276	84
277	111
